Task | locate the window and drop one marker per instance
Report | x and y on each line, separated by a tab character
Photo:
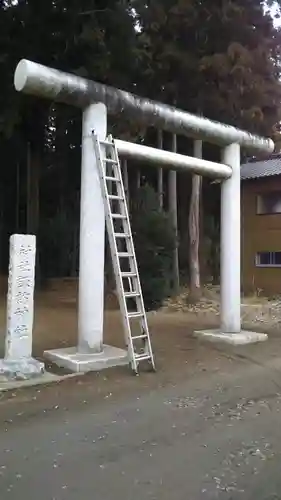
269	203
268	259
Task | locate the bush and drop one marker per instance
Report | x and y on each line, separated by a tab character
154	242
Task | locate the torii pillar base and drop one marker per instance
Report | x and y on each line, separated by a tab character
242	338
21	369
73	360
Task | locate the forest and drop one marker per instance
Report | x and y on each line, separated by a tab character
219	59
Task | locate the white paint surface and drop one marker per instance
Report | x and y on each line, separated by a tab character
169	159
92	236
73	360
230	244
242	338
20	299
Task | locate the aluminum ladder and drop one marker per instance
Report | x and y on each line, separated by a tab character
123	254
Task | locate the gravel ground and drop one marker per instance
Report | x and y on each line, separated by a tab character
207	428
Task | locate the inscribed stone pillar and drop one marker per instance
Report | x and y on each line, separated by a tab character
18	361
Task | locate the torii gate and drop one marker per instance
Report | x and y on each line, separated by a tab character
96	100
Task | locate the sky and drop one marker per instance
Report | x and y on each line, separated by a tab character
276	10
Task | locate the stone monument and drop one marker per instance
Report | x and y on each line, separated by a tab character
18	362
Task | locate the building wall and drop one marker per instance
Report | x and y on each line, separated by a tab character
260	233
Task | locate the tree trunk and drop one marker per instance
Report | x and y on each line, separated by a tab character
194	230
138	178
32	215
126	180
160	171
75	251
17	197
61	145
173	210
32	209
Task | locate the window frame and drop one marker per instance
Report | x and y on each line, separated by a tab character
264	194
271	253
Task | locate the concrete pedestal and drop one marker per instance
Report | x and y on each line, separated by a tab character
242	338
71	359
20	369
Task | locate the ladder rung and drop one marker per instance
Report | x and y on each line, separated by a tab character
118	216
115	197
110	160
121	235
143	336
113	179
142	357
125	254
135	315
106	143
130	295
128	274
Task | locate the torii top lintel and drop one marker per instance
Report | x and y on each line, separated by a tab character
39	80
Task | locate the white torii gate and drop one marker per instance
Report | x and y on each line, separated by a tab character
96	100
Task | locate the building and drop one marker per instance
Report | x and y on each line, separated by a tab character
261	226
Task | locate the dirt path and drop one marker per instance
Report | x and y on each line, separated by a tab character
205	430
179	357
206	425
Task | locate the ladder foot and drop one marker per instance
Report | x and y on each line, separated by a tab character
152	368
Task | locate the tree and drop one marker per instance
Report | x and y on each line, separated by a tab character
194	230
154	237
173	211
160	171
95	39
222	58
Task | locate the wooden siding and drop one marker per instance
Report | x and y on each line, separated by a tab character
259	233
